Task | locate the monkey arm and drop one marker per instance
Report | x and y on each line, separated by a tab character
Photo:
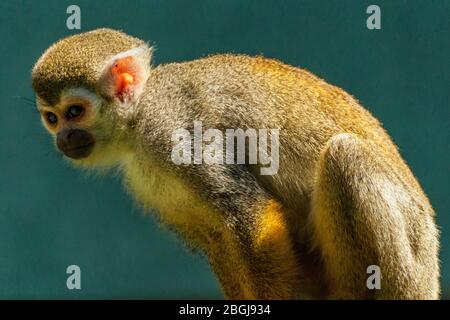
251	253
258	263
363	213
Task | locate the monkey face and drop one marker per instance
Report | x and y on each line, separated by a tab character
72	122
84	127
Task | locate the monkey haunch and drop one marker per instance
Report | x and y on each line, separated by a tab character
342	200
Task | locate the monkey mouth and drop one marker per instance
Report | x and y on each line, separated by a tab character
80	151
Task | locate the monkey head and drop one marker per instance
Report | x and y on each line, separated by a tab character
87	87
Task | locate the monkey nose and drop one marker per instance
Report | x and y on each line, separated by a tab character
75	143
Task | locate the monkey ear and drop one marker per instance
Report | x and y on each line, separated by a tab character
124	76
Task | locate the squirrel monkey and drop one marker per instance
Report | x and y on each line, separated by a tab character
342	200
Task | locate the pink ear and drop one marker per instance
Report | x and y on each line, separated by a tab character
124	77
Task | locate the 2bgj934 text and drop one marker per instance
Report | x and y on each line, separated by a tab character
226	309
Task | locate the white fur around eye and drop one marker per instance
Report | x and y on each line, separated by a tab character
84	94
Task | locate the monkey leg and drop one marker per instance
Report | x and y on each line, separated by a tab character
363	214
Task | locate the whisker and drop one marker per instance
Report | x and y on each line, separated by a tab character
29	102
53	153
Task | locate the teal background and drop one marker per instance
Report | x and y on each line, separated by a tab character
52	216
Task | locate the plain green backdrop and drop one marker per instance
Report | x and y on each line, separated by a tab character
52	216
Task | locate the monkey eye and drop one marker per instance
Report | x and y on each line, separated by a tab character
74	111
51	117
